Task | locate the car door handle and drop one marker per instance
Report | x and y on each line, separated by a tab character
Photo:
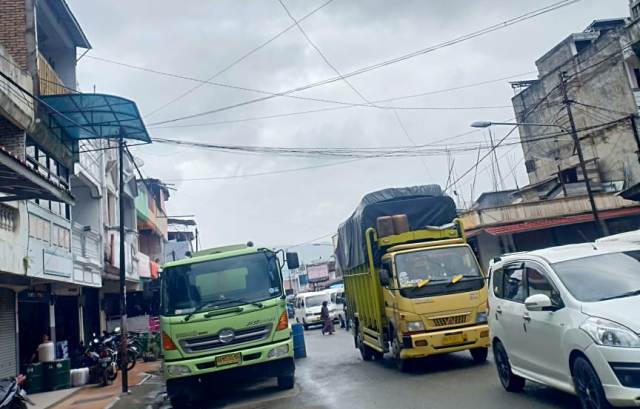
526	317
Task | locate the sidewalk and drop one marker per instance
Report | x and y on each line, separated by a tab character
94	396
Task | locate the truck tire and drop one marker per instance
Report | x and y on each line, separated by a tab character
366	352
479	355
286	382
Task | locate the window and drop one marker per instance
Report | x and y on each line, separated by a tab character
513	284
47	166
538	283
530	165
601	277
498	282
569	175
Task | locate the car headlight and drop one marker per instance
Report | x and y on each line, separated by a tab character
609	333
415	326
276	352
177	370
481	317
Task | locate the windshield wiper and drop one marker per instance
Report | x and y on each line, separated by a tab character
200	308
623	295
221	302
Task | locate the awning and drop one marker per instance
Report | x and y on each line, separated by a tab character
91	116
19	182
555	222
632	193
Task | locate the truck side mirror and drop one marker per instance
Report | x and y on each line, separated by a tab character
292	261
385	280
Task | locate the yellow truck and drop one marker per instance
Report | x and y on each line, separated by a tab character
413	285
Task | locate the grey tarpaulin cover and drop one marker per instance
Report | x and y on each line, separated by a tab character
424	206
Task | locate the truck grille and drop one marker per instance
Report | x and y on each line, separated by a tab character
211	342
450	320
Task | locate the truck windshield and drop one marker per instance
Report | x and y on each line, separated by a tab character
437	267
249	278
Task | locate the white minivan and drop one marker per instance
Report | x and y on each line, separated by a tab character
308	305
569	317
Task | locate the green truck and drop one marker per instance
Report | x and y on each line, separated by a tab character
224	316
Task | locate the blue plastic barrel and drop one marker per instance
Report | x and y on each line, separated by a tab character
299	348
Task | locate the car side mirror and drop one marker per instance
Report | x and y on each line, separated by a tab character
538	302
292	261
385	279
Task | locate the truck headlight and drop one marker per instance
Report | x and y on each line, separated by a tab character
415	326
609	333
276	352
177	370
481	318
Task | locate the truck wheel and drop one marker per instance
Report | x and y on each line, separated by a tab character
366	352
378	356
401	364
286	382
479	355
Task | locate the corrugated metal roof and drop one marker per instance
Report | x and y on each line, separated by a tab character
542	224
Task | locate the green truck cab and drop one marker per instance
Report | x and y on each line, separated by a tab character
413	285
224	316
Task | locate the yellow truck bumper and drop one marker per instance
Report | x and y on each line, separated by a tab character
446	341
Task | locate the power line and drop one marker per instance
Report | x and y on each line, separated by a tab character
238	60
268	93
478	33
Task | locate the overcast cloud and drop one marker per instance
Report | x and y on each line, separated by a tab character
198	38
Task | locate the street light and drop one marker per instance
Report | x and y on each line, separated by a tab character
602	228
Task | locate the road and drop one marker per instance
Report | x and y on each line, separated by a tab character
334	376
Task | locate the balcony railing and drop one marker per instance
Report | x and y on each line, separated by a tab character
50	82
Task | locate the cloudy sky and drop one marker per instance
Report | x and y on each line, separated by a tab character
198	38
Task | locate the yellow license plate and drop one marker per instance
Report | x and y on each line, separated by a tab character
453	339
228	359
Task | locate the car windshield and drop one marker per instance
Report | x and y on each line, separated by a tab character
248	278
315	300
435	265
601	277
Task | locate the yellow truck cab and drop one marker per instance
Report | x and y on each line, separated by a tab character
223	316
413	285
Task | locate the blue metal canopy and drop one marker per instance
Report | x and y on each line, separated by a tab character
92	116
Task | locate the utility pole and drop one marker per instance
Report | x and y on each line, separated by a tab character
123	293
601	227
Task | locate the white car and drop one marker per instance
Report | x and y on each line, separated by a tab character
337	299
569	317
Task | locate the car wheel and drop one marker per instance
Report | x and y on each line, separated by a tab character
588	386
286	382
479	355
510	381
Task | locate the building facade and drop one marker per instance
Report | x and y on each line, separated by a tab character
593	75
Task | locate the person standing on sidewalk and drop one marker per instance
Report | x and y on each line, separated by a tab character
326	319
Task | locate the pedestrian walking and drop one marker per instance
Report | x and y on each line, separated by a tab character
326	319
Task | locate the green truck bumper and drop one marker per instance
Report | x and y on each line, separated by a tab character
267	356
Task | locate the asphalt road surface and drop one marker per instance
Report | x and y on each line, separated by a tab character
334	376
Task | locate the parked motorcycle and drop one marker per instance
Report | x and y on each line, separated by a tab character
12	396
101	360
114	340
